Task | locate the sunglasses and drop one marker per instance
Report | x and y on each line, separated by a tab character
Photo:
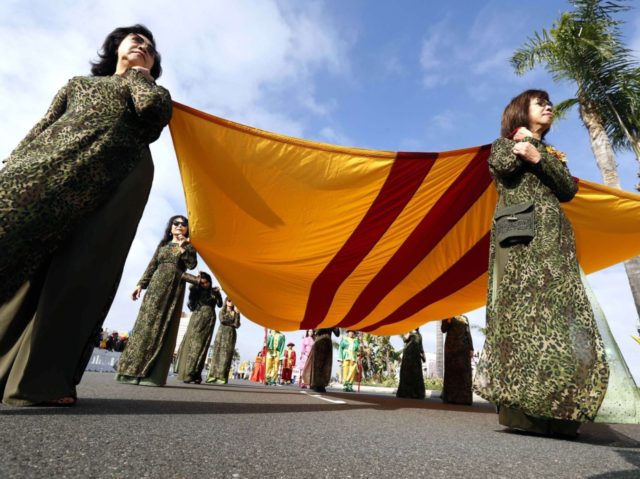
141	41
179	223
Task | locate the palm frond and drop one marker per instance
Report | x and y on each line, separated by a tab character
537	50
585	46
561	109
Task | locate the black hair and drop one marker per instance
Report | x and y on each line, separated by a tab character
108	54
167	237
196	291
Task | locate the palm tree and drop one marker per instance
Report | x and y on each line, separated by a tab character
584	46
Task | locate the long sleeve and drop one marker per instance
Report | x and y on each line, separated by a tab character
555	174
502	162
56	110
236	320
151	102
218	298
341	348
148	273
189	257
226	317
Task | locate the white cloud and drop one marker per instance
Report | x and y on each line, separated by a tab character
445	120
451	54
433	55
393	65
330	135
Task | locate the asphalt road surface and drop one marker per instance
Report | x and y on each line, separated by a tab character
247	430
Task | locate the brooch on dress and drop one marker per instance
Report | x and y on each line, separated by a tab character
557	153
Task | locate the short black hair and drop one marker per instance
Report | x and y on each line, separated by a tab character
108	54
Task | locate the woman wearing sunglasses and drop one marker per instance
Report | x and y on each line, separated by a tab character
147	358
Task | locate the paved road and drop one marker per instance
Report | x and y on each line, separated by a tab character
245	430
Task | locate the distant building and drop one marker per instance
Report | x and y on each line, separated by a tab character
182	329
430	366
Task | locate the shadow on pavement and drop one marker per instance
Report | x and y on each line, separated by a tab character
383	402
110	406
632	457
596	435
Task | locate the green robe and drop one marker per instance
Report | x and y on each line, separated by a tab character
152	341
543	354
86	120
195	344
275	345
348	350
224	345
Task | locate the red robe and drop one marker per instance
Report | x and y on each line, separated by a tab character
288	363
259	369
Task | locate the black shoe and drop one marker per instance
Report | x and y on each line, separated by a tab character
320	389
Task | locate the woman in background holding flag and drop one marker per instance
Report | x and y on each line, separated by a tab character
147	359
305	350
317	371
225	344
411	378
203	299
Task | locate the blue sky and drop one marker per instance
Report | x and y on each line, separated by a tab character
404	75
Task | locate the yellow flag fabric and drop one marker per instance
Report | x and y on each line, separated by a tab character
303	234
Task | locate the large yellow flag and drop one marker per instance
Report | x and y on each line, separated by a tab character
304	235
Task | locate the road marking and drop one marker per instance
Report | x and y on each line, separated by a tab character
334	401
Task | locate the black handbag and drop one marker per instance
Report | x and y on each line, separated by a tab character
515	224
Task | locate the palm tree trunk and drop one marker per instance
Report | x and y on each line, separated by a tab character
605	158
388	363
632	267
601	146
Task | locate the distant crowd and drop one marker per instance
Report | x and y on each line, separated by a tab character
111	341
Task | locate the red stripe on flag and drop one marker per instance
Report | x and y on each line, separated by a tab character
406	176
468	268
448	210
